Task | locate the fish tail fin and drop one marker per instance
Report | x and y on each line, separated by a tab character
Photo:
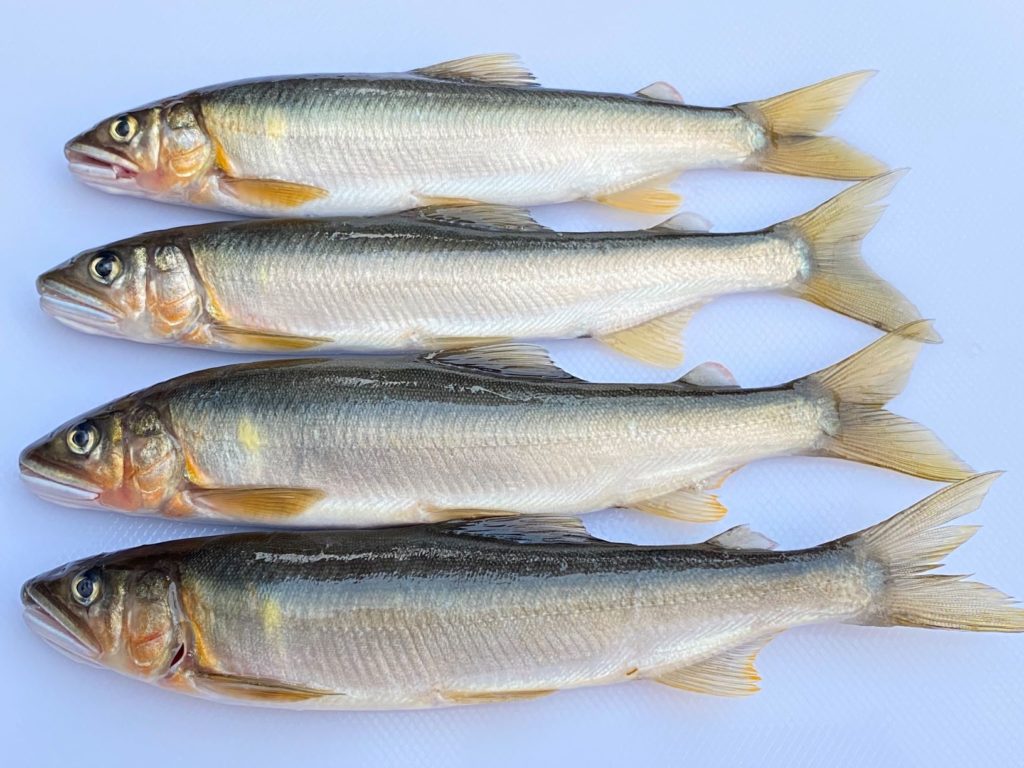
837	277
793	122
866	432
914	542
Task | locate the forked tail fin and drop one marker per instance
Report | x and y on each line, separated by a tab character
793	122
837	278
911	543
866	432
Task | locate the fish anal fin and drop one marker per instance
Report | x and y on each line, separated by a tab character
661	91
658	341
272	193
690	505
262	504
651	196
254	689
487	69
492	697
731	673
262	341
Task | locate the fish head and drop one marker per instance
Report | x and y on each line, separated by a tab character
156	151
143	288
122	615
121	456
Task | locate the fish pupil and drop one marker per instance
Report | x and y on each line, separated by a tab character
122	127
84	587
105	266
80	438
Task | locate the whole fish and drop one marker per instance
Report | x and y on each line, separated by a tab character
446	277
364	441
491	610
476	129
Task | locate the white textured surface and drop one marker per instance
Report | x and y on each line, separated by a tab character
946	104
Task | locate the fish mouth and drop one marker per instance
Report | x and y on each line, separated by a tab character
52	484
77	309
101	168
58	629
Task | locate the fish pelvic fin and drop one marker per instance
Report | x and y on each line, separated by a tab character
793	122
914	542
866	432
837	277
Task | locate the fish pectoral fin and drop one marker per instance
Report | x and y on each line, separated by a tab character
741	537
658	341
265	504
651	196
264	341
255	689
690	505
481	216
487	69
512	359
492	697
661	91
272	193
731	673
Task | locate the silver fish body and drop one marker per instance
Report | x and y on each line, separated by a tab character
493	610
382	441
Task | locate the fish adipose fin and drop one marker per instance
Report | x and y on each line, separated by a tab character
793	122
741	537
652	196
661	91
257	504
728	674
911	543
254	689
837	278
658	341
486	69
866	432
271	193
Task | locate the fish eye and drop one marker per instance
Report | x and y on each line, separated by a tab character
123	128
104	267
85	588
82	438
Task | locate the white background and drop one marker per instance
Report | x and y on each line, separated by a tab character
947	103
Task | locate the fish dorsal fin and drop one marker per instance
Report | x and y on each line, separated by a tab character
661	91
741	537
731	673
525	530
487	69
512	359
709	376
483	216
686	221
658	341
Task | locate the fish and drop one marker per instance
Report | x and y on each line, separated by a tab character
504	609
444	277
475	129
363	441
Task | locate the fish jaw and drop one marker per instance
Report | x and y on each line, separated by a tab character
102	169
52	484
57	629
75	308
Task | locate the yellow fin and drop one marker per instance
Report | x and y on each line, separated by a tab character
658	341
652	196
793	121
261	504
220	157
446	343
728	674
255	689
271	193
866	432
487	69
492	697
448	515
693	506
259	341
